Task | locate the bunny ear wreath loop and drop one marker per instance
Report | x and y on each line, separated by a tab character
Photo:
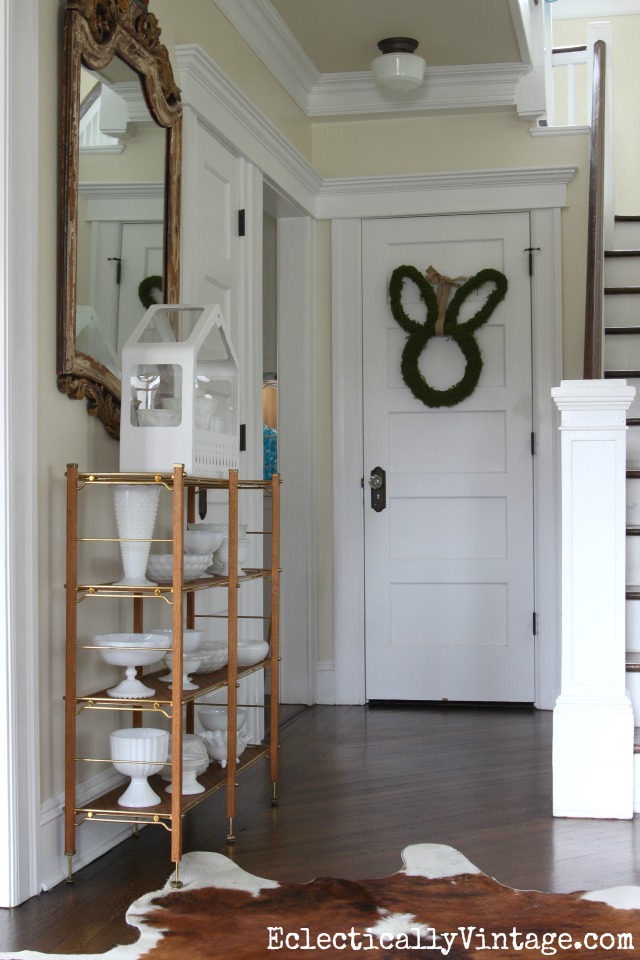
462	334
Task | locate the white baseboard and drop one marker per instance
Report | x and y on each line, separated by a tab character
92	839
326	681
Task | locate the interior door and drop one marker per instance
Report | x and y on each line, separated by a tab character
141	257
449	586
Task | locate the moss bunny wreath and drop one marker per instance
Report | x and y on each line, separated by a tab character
146	288
463	334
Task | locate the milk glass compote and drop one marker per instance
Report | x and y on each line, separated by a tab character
137	753
131	650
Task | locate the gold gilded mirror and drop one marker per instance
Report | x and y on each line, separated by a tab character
119	214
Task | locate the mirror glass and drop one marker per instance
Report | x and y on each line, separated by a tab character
120	183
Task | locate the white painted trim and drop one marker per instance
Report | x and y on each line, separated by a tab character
465	191
92	839
19	734
123	202
546	292
568	131
297	456
483	87
586	9
326	682
349	630
262	27
222	106
348	521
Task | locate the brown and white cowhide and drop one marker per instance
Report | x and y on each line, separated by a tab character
438	905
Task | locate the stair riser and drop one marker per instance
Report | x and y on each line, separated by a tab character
633	453
622	310
634	409
626	235
632	628
621	271
622	352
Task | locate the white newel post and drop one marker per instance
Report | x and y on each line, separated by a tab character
593	718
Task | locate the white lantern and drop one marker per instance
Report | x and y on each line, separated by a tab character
180	393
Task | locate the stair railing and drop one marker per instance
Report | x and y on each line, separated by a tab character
600	209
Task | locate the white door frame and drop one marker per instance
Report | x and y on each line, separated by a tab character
435	195
19	734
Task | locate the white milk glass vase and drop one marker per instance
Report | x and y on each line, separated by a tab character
136	506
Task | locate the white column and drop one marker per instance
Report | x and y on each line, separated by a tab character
593	719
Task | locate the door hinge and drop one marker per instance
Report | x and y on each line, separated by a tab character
535	624
241	223
530	251
533	444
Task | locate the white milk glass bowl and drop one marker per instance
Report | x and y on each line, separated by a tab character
160	566
190	661
214	716
251	651
215	655
131	650
201	542
138	753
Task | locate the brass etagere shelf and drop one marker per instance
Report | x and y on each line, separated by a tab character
170	811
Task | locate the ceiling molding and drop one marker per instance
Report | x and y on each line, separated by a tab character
581	9
477	87
259	24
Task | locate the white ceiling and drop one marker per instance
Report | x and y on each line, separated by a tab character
476	51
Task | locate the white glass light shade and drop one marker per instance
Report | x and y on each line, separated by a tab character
398	72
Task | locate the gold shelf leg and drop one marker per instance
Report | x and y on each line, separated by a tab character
177	883
231	837
274	798
69	877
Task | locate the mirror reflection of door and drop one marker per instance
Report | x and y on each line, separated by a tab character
121	203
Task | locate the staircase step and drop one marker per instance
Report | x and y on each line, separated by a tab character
622	253
632	662
634	422
621	291
633	330
633	530
621	374
626	232
636	740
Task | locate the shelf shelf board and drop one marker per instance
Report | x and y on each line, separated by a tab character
106	807
85	590
206	683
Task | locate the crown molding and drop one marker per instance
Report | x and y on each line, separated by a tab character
259	25
452	89
208	91
457	88
581	9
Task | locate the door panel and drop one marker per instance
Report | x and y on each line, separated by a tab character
449	562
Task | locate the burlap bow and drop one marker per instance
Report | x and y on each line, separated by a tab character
443	285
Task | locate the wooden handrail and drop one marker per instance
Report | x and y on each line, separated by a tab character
595	224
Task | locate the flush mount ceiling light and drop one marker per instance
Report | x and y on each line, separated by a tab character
399	69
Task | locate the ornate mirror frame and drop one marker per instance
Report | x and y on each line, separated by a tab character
96	31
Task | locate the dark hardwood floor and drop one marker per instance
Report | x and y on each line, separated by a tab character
359	784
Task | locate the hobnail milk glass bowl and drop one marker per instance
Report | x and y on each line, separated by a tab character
160	566
191	639
131	650
215	655
137	753
214	716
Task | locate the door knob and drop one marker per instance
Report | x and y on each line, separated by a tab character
378	484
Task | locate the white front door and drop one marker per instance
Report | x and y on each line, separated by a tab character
449	584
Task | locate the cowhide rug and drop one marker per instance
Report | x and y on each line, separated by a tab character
438	905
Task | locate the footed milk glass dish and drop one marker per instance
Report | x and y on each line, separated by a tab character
189	663
136	506
138	753
131	650
215	655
